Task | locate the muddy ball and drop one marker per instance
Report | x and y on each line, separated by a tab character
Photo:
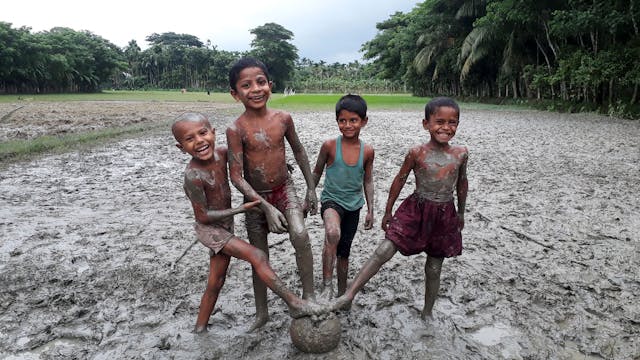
315	336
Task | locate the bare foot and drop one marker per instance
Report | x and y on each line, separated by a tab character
260	321
342	303
307	308
327	293
200	329
426	315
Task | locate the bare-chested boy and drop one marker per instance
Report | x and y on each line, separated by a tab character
258	168
427	220
207	187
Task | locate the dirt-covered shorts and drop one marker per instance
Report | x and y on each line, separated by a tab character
283	197
214	237
423	225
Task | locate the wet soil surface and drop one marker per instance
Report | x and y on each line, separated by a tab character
549	268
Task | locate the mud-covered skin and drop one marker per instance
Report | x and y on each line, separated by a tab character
207	187
257	162
91	277
439	169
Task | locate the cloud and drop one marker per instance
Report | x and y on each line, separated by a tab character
328	30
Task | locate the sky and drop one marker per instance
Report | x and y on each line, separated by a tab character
324	30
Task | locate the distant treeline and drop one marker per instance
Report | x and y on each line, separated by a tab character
582	54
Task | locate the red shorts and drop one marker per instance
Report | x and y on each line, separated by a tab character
283	197
422	225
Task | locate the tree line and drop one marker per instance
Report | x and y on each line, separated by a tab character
578	52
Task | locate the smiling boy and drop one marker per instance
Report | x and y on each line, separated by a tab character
258	169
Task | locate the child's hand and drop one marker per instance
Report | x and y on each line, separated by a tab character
276	221
368	221
251	204
460	221
310	203
385	221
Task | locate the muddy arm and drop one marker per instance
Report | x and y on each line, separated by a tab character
462	186
300	155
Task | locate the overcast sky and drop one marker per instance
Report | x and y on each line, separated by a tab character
329	30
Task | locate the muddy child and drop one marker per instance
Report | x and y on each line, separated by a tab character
207	187
349	167
258	169
427	220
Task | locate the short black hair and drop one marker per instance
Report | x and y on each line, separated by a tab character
243	63
353	103
438	102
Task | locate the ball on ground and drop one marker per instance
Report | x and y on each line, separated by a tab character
315	336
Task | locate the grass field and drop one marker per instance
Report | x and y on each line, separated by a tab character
15	149
298	102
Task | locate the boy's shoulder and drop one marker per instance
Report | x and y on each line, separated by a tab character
330	142
459	150
221	150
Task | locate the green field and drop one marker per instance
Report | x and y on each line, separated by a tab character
298	102
16	149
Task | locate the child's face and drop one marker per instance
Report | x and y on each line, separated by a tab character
442	125
197	139
350	124
252	88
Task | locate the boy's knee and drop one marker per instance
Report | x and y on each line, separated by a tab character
385	250
332	235
298	234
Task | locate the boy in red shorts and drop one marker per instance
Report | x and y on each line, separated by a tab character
258	169
427	220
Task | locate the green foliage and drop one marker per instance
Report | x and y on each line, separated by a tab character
356	78
59	60
272	46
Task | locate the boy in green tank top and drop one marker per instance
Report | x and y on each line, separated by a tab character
349	163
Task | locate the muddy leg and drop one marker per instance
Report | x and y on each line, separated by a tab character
304	257
432	268
258	237
342	269
331	239
258	260
218	265
384	252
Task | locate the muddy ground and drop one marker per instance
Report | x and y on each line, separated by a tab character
549	270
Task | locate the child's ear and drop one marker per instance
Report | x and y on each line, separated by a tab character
179	146
425	124
234	94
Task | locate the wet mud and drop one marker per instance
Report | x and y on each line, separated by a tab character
549	268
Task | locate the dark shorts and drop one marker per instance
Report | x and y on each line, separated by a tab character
420	225
283	197
348	226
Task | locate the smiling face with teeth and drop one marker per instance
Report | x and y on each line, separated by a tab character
195	137
442	124
253	88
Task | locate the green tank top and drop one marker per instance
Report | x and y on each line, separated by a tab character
343	183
